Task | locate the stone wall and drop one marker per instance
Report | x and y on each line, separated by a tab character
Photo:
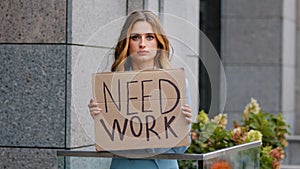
49	51
33	85
40	41
258	49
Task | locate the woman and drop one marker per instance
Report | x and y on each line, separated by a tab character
143	45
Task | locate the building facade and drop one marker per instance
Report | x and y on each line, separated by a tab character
50	49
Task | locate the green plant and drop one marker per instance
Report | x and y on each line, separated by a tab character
273	129
210	134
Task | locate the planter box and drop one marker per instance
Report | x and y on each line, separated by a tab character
244	156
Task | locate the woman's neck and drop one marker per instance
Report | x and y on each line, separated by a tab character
142	66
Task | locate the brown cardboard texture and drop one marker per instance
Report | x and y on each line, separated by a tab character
140	109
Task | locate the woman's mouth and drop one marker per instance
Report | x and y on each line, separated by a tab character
143	52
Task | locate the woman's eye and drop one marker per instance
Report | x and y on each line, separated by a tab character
135	37
150	37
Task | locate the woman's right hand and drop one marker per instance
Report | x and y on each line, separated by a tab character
94	108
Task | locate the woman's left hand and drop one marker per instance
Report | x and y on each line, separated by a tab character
186	110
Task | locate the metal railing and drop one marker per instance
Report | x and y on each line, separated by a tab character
201	158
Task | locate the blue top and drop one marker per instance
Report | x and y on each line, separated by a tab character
118	163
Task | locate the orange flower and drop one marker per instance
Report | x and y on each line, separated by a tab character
276	165
277	153
221	165
194	135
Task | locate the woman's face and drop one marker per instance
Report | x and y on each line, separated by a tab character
142	45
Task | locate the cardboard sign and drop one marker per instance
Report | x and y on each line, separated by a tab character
140	109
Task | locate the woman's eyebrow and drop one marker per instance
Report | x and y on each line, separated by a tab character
142	33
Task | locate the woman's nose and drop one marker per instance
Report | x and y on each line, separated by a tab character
142	42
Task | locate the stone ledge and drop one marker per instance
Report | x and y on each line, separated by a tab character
290	167
293	138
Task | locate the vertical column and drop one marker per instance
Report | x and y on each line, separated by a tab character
257	47
93	31
297	119
211	83
181	23
288	59
33	71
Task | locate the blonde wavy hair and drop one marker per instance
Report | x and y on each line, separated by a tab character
163	56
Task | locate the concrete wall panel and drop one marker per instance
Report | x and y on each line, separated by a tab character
259	54
261	83
32	95
28	158
152	5
252	41
33	21
89	17
85	62
252	9
135	5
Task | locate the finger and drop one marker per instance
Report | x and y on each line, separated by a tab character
187	114
92	101
94	104
91	105
186	108
95	113
95	109
186	105
189	120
